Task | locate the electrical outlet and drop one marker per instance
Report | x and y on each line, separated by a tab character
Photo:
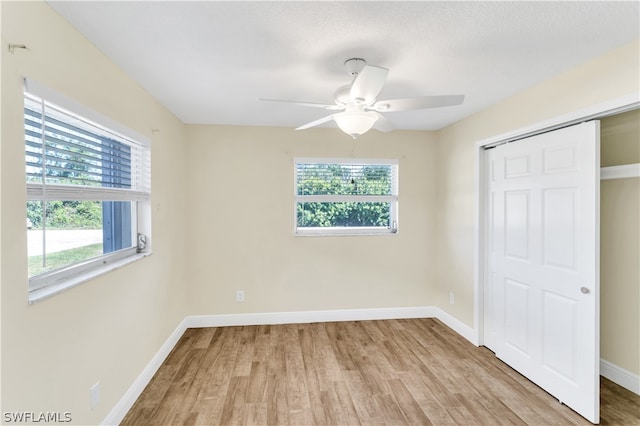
240	296
452	298
94	392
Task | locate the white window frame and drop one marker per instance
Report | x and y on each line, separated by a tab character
55	281
346	230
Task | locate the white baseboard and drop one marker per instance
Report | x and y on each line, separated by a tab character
120	410
620	376
458	326
123	406
310	316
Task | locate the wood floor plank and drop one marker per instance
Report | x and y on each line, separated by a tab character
366	408
344	403
277	363
408	405
262	345
391	412
235	410
437	414
276	396
343	355
246	348
257	382
179	397
257	414
297	394
618	406
393	372
479	413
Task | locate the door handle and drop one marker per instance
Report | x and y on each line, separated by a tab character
585	290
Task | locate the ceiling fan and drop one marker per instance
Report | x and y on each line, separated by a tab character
359	103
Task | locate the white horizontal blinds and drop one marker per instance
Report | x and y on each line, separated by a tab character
69	157
344	179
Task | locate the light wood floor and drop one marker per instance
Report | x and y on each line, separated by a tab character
392	372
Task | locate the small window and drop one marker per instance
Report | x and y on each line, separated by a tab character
86	188
346	197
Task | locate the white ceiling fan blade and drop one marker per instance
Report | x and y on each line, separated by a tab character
383	124
309	104
368	84
316	122
420	102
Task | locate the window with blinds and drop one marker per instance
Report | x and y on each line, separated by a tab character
346	196
69	156
85	184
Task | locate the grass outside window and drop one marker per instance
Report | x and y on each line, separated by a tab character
63	258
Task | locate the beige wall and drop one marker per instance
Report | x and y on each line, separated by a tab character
242	217
108	329
607	77
620	245
620	139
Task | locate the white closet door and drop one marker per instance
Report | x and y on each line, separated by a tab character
542	297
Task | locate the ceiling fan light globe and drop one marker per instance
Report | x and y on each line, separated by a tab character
355	123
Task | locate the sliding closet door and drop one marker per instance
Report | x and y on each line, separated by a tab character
542	294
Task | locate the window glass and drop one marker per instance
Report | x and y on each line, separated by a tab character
62	233
343	214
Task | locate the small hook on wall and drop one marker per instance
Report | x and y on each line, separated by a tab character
13	47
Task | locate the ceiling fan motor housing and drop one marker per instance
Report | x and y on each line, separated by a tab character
355	65
343	95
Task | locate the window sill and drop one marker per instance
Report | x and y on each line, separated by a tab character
41	294
344	232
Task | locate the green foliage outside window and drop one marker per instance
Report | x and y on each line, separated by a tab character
66	214
343	214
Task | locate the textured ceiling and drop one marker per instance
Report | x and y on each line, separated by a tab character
209	62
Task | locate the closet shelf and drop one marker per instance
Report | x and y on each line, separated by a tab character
620	172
